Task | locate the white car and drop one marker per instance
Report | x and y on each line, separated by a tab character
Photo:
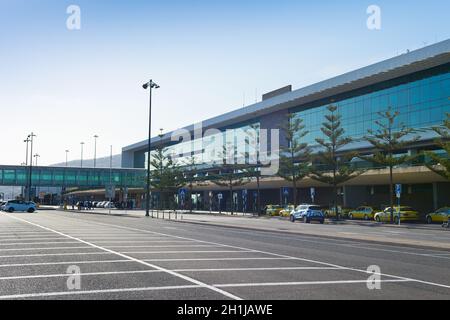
302	210
19	205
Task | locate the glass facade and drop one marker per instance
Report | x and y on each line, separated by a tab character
422	103
72	177
239	143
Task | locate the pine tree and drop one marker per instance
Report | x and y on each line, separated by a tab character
387	140
231	175
294	158
443	163
337	164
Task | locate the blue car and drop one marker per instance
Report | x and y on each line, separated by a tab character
302	210
314	216
19	205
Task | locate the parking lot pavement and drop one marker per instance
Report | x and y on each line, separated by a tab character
57	255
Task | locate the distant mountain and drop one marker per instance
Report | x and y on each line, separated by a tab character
89	163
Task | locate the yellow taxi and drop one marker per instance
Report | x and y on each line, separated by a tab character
406	214
442	215
364	212
273	210
286	212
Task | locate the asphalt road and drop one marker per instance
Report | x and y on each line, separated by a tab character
58	255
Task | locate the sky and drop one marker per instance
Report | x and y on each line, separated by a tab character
209	57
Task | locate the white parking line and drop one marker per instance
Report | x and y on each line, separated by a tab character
56	254
62	275
45	248
36	243
214	259
278	255
74	293
177	252
189	279
36	264
41	276
256	269
302	283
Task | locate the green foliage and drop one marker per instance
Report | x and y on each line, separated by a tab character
443	167
166	175
387	140
337	169
291	169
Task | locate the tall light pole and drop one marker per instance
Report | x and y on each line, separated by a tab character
95	151
31	137
67	158
82	145
25	189
36	156
149	85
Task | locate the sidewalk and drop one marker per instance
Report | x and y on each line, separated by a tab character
422	236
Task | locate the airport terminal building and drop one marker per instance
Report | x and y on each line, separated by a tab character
416	84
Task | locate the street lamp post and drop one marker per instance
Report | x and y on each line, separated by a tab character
36	156
31	137
95	151
67	158
82	145
25	189
149	85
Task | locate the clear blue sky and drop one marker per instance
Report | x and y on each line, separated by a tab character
69	85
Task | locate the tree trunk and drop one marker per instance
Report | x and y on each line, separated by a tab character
190	198
294	184
391	192
231	199
258	206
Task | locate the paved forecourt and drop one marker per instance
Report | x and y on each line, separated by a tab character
42	254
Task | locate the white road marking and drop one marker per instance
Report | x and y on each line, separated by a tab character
45	248
40	276
303	283
173	252
36	243
74	293
62	275
56	254
256	269
215	259
61	263
279	255
189	279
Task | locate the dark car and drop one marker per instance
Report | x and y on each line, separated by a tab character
314	216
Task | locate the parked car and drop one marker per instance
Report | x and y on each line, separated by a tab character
101	204
442	215
287	210
314	215
300	212
331	212
364	212
406	214
273	210
109	205
19	205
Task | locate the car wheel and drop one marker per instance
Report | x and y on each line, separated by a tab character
322	221
292	219
429	220
396	220
31	210
11	210
378	219
350	216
